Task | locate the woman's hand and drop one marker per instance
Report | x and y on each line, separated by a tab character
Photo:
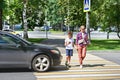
76	47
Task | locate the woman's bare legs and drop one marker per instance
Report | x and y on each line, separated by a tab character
81	54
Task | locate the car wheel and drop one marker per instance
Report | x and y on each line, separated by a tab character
41	63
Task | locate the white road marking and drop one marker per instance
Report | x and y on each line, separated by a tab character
112	65
78	76
89	70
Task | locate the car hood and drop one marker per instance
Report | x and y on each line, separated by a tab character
45	46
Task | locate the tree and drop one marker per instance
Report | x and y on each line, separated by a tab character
106	14
117	16
69	11
111	15
36	13
0	18
2	6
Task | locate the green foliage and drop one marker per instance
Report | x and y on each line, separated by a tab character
36	12
2	4
69	10
103	13
14	11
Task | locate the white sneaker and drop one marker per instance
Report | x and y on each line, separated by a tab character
81	66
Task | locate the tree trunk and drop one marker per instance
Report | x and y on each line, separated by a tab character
108	34
25	33
118	34
118	19
0	19
118	31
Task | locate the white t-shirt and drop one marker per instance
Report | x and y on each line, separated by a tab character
83	36
70	41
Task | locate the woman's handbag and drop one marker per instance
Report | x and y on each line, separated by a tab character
80	41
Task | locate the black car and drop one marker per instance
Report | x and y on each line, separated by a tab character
16	52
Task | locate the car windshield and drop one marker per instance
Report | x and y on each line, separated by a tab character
29	43
24	40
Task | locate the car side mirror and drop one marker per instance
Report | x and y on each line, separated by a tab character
18	45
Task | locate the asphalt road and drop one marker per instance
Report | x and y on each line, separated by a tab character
16	74
110	55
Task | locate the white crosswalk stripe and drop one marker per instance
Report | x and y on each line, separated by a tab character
77	76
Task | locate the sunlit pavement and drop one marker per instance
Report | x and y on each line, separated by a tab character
95	68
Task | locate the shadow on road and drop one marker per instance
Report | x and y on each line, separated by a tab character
64	68
59	68
92	65
11	70
17	70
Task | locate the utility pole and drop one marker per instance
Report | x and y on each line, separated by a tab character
87	4
88	25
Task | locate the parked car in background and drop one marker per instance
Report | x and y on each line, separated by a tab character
44	28
16	52
91	29
17	26
50	27
64	28
6	27
13	32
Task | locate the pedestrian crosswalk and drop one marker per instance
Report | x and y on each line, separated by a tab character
95	68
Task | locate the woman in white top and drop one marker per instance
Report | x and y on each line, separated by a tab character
81	43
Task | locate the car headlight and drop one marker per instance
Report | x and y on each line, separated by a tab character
55	51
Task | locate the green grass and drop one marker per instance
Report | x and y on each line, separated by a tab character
104	45
36	40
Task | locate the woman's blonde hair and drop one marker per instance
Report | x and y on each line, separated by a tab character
82	27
